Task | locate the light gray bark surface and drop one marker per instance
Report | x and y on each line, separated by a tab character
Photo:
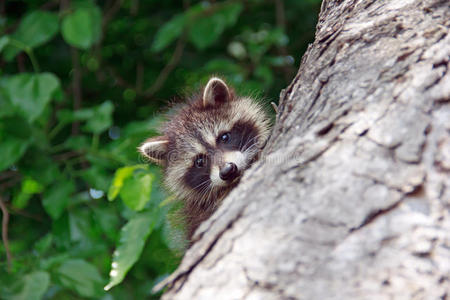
352	199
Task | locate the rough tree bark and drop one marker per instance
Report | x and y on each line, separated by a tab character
352	200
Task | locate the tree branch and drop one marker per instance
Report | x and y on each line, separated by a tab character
5	221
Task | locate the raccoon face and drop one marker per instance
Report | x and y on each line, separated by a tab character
209	143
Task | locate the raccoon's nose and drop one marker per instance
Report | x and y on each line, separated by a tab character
229	172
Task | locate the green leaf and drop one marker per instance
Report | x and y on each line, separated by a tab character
11	150
14	140
133	187
56	198
108	220
31	186
61	232
136	190
207	29
42	245
81	276
31	93
97	177
169	32
98	118
102	118
6	108
132	240
36	29
34	286
68	116
4	40
82	28
83	230
231	12
78	142
264	73
28	189
224	66
39	165
277	37
119	178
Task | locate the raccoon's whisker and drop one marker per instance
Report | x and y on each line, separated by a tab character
246	144
243	135
201	196
251	152
202	183
203	189
206	194
240	144
252	148
211	193
252	140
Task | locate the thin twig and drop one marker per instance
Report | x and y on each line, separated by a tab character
76	81
5	221
67	155
24	213
7	174
76	86
49	5
173	62
117	78
33	59
162	77
134	7
64	5
109	15
21	63
2	7
139	76
12	182
280	15
160	80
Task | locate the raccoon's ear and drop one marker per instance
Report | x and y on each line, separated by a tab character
216	92
155	149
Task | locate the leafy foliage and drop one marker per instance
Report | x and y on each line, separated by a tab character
82	84
81	28
34	30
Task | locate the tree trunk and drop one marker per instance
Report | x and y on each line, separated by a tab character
352	197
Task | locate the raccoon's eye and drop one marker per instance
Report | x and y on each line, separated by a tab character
200	161
225	138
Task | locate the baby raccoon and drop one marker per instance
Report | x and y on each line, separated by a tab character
206	146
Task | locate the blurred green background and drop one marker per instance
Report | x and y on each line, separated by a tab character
82	84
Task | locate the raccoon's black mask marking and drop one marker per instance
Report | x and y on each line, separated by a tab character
242	136
219	127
